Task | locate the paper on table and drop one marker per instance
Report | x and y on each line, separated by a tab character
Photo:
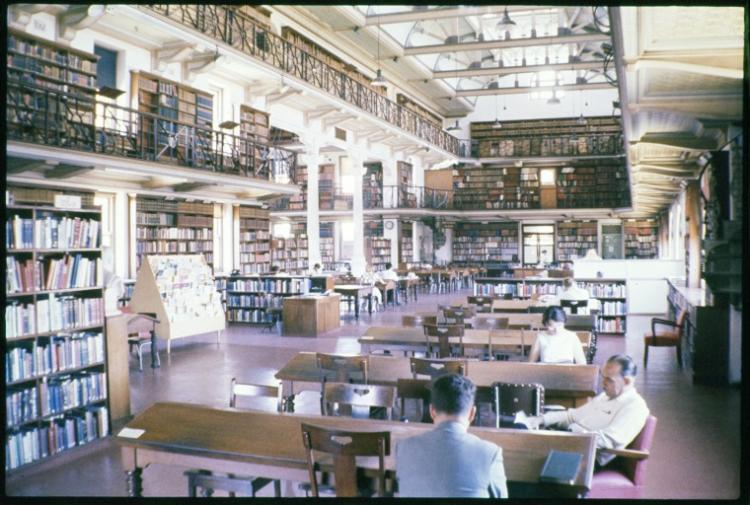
130	433
522	418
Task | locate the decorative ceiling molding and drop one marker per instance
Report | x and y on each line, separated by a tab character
506	44
426	14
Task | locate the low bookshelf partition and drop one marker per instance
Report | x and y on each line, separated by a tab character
250	298
56	393
182	292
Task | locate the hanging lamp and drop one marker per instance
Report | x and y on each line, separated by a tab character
379	80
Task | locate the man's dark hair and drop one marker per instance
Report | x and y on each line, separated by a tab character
452	394
316	265
568	282
554	313
628	368
388	266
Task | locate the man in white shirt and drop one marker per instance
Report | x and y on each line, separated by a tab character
389	274
572	292
616	415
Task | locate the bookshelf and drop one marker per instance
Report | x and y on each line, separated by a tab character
520	288
377	252
33	62
182	292
602	135
641	239
249	297
490	187
327	256
612	295
255	240
299	201
173	227
254	127
407	243
174	102
55	350
593	184
373	228
574	238
290	254
425	114
406	197
372	186
476	243
326	187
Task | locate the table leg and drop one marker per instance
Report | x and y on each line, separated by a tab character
154	351
369	303
356	307
415	293
135	482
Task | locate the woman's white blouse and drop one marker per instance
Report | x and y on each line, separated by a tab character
563	347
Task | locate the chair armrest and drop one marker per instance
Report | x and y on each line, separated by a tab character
554	408
627	453
664	322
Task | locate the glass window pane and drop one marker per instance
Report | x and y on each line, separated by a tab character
529	255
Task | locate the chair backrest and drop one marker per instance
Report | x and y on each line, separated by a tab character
580	322
413	321
254	390
574	305
345	396
510	398
681	320
414	389
635	470
537	309
482	303
345	446
344	366
443	334
487	323
485	395
458	314
435	367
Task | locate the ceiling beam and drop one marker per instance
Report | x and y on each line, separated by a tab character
530	89
520	69
185	187
18	166
63	171
320	112
729	73
281	96
452	12
680	142
157	182
506	44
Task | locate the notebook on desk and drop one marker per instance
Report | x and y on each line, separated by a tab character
561	467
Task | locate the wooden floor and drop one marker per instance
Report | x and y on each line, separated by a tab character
696	452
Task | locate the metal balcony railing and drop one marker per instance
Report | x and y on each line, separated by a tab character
226	24
49	117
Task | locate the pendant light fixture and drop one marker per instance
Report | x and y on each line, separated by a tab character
455	126
581	121
554	100
379	80
506	22
496	125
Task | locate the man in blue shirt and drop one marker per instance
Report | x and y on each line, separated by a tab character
448	462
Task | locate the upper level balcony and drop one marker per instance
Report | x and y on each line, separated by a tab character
229	26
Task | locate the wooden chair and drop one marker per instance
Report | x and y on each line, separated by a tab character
482	303
247	485
584	323
435	367
665	338
140	338
458	315
414	389
510	398
412	321
623	476
345	446
443	334
487	323
574	305
339	398
485	397
343	366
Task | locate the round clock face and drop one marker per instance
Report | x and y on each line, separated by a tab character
389	224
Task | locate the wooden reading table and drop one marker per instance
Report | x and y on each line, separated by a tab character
269	444
355	292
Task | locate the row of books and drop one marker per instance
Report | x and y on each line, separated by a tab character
71	391
616	325
198	221
58	354
541	289
255	268
72	272
32	64
255	247
162	246
246	258
154	219
21	405
51	233
53	314
613	308
50	54
279	285
254	224
254	301
174	233
605	290
485	289
35	443
254	235
248	316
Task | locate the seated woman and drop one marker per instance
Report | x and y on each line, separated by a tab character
556	344
369	278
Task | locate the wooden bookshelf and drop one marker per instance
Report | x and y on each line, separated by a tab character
612	295
593	184
602	135
290	254
299	201
33	62
641	239
249	297
373	228
406	197
422	112
54	330
489	187
407	243
377	252
326	187
476	243
171	101
255	240
327	256
574	238
254	127
173	227
372	186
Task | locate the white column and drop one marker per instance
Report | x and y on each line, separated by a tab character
120	213
230	223
312	151
358	250
391	230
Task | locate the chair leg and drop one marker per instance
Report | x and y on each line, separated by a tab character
645	356
679	355
277	488
140	357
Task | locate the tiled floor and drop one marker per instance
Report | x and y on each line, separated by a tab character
695	454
